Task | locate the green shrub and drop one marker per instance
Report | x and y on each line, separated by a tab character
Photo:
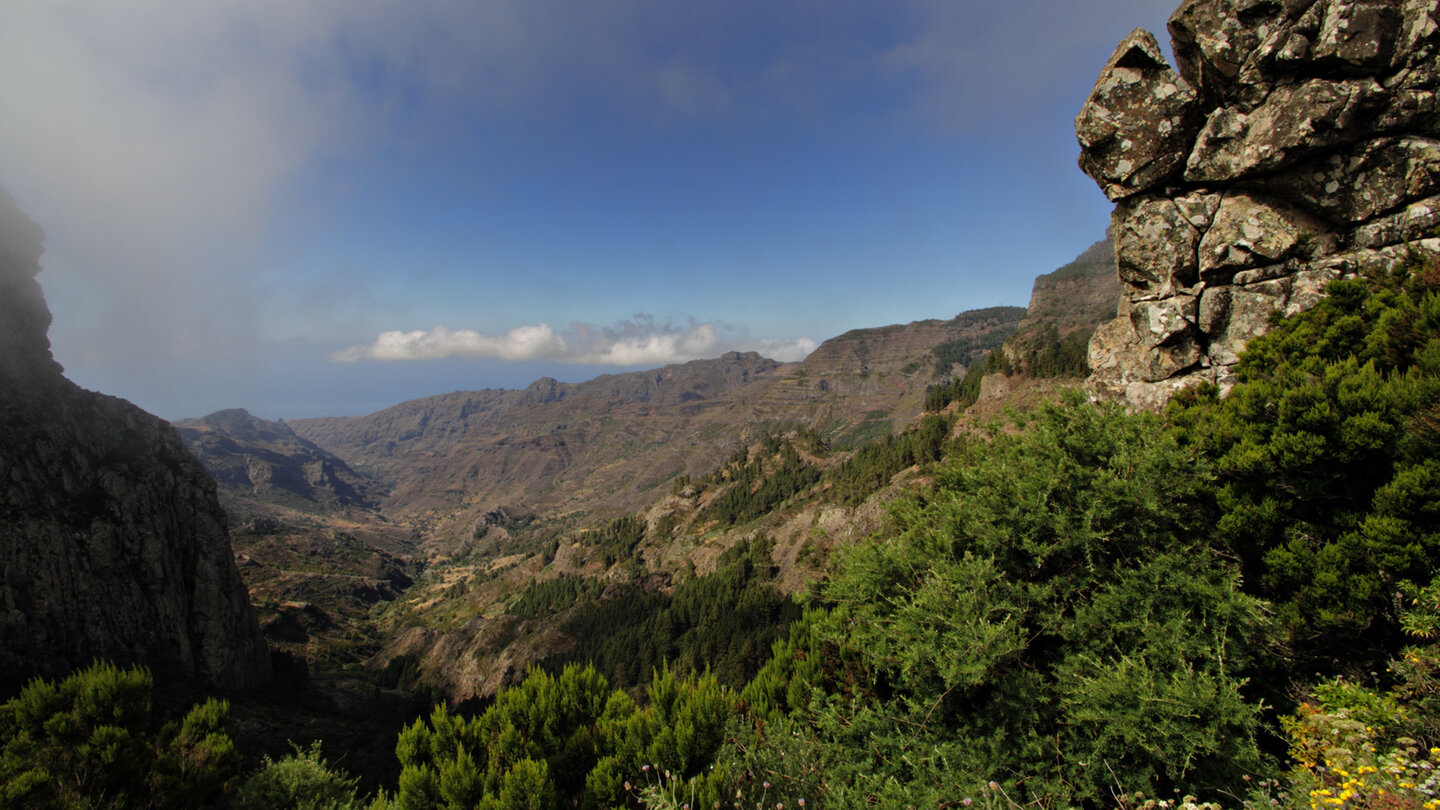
1048	616
298	781
552	742
1327	464
85	742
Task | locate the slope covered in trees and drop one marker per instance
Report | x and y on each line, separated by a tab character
1084	606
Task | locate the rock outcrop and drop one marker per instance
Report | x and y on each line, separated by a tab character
1298	143
112	542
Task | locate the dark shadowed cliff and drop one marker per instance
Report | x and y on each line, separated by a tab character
112	542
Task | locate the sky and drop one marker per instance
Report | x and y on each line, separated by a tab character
326	207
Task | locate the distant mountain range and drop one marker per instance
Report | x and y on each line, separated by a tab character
451	505
601	448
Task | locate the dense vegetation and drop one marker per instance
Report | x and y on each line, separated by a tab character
870	468
1328	464
1047	616
618	539
1233	601
761	482
1045	353
88	741
725	621
964	350
966	390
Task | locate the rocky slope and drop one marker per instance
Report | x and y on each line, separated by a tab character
112	541
312	546
255	460
1048	350
1069	302
1299	142
606	447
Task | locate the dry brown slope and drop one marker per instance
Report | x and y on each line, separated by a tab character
605	446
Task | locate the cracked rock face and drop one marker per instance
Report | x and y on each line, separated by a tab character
112	542
1297	142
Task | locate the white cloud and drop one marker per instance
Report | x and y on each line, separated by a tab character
786	351
636	342
537	342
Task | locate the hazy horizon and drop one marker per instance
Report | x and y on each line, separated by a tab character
331	207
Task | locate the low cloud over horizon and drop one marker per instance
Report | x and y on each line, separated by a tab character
635	342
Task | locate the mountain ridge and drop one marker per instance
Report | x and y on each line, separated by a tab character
597	447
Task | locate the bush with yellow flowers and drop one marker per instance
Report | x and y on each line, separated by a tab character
1356	746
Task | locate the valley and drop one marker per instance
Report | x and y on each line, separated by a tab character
401	541
1167	538
420	525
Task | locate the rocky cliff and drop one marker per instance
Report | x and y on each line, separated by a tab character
1299	142
112	542
1068	303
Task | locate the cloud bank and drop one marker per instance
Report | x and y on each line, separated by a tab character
636	342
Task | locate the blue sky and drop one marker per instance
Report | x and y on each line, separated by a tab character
324	207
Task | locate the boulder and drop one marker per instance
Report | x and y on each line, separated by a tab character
1361	182
1217	43
1294	122
1156	243
1137	119
1416	221
1249	231
1358	36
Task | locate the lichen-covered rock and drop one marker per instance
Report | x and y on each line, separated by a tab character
1358	35
1416	221
1221	45
112	542
1318	159
1155	244
1248	231
1138	117
1248	314
1360	182
1293	123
